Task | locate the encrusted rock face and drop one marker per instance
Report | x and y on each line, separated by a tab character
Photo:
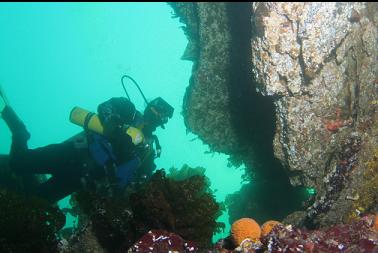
206	103
319	62
84	241
222	107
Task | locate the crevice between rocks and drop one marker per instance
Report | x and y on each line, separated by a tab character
253	118
268	194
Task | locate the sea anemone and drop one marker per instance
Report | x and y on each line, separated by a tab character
245	228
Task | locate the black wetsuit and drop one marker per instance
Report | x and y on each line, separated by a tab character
70	162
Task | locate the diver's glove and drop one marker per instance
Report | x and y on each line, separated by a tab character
122	144
114	115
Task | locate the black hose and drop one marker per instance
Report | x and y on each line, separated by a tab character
136	84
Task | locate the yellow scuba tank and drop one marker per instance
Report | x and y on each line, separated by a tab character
90	120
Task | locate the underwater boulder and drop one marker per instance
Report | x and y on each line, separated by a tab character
158	241
83	240
357	236
319	61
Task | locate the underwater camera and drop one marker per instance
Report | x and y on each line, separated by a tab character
157	111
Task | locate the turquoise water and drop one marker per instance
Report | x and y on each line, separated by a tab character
54	56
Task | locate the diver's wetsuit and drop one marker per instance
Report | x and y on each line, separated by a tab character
67	162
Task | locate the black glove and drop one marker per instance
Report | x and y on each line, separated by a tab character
123	146
114	114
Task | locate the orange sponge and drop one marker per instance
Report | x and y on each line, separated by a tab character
245	228
268	226
375	225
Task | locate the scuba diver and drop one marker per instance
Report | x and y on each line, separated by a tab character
114	150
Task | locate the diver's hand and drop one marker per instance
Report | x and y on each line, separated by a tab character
123	146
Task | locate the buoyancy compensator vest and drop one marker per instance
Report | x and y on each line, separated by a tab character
102	152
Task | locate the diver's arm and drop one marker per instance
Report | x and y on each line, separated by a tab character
114	114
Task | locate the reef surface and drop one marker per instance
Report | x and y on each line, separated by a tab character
296	82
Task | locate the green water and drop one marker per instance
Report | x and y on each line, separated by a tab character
54	56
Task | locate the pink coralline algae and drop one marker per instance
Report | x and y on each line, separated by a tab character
359	236
334	125
158	241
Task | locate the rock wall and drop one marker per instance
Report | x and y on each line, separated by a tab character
319	62
206	106
316	65
222	107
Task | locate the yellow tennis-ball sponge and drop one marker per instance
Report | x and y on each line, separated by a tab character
375	225
245	228
268	226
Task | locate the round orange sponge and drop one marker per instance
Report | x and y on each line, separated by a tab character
245	228
375	225
268	226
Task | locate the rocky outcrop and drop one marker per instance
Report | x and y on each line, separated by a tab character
84	241
206	106
315	65
319	61
222	107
